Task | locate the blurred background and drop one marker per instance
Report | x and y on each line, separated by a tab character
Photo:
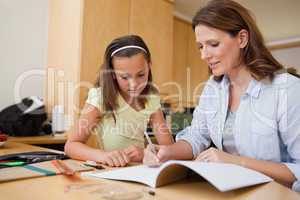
53	48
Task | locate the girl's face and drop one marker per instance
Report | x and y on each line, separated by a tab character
131	74
220	50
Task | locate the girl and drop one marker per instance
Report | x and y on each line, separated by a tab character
249	108
120	107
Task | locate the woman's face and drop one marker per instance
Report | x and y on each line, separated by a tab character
131	74
220	50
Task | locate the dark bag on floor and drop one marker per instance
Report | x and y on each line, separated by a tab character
23	119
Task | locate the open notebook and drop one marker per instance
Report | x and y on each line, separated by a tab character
224	177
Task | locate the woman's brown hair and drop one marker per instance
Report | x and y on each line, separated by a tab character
106	79
231	17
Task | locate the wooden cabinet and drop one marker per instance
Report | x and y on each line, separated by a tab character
189	72
102	22
80	30
180	56
64	54
153	20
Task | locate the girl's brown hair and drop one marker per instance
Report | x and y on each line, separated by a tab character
106	80
231	17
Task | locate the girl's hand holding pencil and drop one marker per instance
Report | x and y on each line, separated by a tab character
155	155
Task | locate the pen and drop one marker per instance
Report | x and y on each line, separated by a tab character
93	164
12	163
152	147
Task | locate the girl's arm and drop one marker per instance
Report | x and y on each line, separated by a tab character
192	140
161	132
76	148
160	128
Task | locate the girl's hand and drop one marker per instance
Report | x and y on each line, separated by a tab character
114	158
153	159
134	153
215	155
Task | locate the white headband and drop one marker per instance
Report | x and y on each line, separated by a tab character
127	47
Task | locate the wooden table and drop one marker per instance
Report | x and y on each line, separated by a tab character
62	187
47	139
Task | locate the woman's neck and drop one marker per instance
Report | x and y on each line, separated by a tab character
240	78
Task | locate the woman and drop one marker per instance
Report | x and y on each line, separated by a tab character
249	109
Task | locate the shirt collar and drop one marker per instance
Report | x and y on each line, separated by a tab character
225	82
253	89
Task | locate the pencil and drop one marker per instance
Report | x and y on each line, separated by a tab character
152	147
63	167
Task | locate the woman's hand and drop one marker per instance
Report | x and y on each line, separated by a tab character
215	155
115	158
161	155
134	153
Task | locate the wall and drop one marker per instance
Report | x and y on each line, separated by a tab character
23	39
288	57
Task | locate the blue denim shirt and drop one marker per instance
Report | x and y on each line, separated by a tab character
267	125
